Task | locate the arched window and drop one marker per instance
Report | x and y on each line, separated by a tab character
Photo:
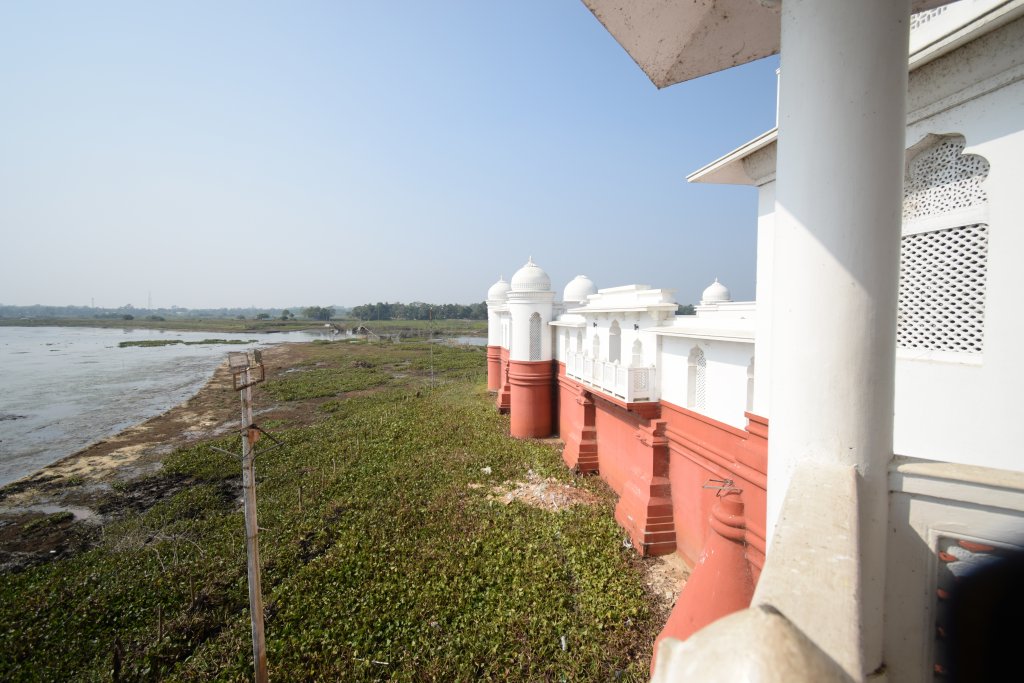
596	344
535	336
615	343
696	379
638	354
750	386
579	341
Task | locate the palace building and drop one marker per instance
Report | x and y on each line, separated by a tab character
833	458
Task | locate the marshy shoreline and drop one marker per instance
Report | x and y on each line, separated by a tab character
403	535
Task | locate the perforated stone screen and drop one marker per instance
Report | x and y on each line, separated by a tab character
535	336
702	374
942	179
942	290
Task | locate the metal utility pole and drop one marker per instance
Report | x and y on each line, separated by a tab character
246	371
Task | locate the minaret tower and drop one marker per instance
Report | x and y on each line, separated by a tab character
497	297
531	372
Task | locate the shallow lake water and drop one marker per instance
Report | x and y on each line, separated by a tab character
63	388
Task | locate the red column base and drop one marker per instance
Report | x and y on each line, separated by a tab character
645	508
493	368
531	386
721	582
504	398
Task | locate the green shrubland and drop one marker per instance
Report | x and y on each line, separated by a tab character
384	553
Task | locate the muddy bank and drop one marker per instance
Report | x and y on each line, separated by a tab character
60	509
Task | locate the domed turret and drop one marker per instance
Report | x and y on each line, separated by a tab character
531	278
716	293
579	289
498	291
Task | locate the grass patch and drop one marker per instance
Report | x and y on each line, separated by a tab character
395	565
49	520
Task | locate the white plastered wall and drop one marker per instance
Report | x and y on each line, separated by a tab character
953	410
957	410
725	376
520	309
493	325
628	335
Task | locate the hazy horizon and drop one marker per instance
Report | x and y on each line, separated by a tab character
212	156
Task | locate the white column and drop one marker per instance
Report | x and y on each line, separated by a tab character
493	324
838	207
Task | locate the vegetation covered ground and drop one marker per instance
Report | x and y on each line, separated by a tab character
391	548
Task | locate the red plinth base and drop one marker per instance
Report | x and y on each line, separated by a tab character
504	399
577	429
721	582
531	386
493	368
580	451
644	509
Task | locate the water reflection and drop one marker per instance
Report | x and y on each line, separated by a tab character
74	386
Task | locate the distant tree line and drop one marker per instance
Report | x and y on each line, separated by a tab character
318	312
129	312
417	310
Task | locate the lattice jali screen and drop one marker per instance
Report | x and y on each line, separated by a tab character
535	336
641	379
942	289
700	393
942	179
921	18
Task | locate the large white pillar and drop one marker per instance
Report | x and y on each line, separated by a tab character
838	207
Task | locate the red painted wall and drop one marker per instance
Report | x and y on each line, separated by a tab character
701	449
617	446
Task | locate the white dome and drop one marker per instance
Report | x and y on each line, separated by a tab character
579	289
715	293
498	291
531	278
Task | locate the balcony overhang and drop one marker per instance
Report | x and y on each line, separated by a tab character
676	40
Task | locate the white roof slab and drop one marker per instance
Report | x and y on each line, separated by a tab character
678	40
716	329
932	35
628	298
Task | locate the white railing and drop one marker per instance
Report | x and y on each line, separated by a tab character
631	384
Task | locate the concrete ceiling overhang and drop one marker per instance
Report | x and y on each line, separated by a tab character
677	40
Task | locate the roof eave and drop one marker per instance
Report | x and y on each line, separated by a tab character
674	41
729	168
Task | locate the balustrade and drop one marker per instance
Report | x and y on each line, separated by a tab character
629	383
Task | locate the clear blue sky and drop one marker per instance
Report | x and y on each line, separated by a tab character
284	154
